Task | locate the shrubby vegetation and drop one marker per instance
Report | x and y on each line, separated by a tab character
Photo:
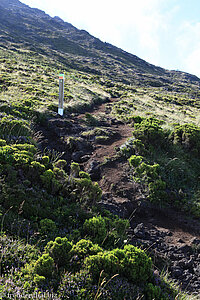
54	237
165	162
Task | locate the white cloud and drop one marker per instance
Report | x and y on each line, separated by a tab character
188	43
192	63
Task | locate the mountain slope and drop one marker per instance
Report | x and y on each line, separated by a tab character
120	170
79	49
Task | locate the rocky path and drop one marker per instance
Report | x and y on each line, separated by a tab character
170	237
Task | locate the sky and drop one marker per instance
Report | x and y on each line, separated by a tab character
165	33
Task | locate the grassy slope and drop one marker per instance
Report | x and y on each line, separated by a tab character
29	88
28	96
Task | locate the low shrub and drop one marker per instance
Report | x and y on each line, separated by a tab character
137	266
149	131
9	126
96	229
44	266
59	250
47	226
153	292
50	182
106	261
107	231
135	160
188	135
148	175
157	191
17	155
83	174
131	147
85	248
88	191
130	262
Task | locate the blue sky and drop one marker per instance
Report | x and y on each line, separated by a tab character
163	32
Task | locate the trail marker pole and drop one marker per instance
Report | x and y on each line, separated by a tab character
61	94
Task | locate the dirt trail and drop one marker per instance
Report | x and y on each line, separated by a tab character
165	232
113	173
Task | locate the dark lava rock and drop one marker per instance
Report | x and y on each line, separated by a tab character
196	242
76	156
85	158
94	170
140	231
177	272
80	156
185	249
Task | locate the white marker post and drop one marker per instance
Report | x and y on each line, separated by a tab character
61	94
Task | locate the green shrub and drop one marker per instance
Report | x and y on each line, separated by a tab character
39	280
26	147
6	155
138	146
91	120
149	176
85	248
35	170
88	191
106	261
47	177
188	135
116	232
131	147
136	119
153	292
2	142
50	182
22	158
13	127
61	163
44	266
47	226
150	171
130	262
18	154
59	250
10	155
137	266
83	174
135	160
150	131
80	251
45	160
142	169
96	229
110	231
59	173
75	169
157	191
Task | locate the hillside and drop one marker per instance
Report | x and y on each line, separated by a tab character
104	202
